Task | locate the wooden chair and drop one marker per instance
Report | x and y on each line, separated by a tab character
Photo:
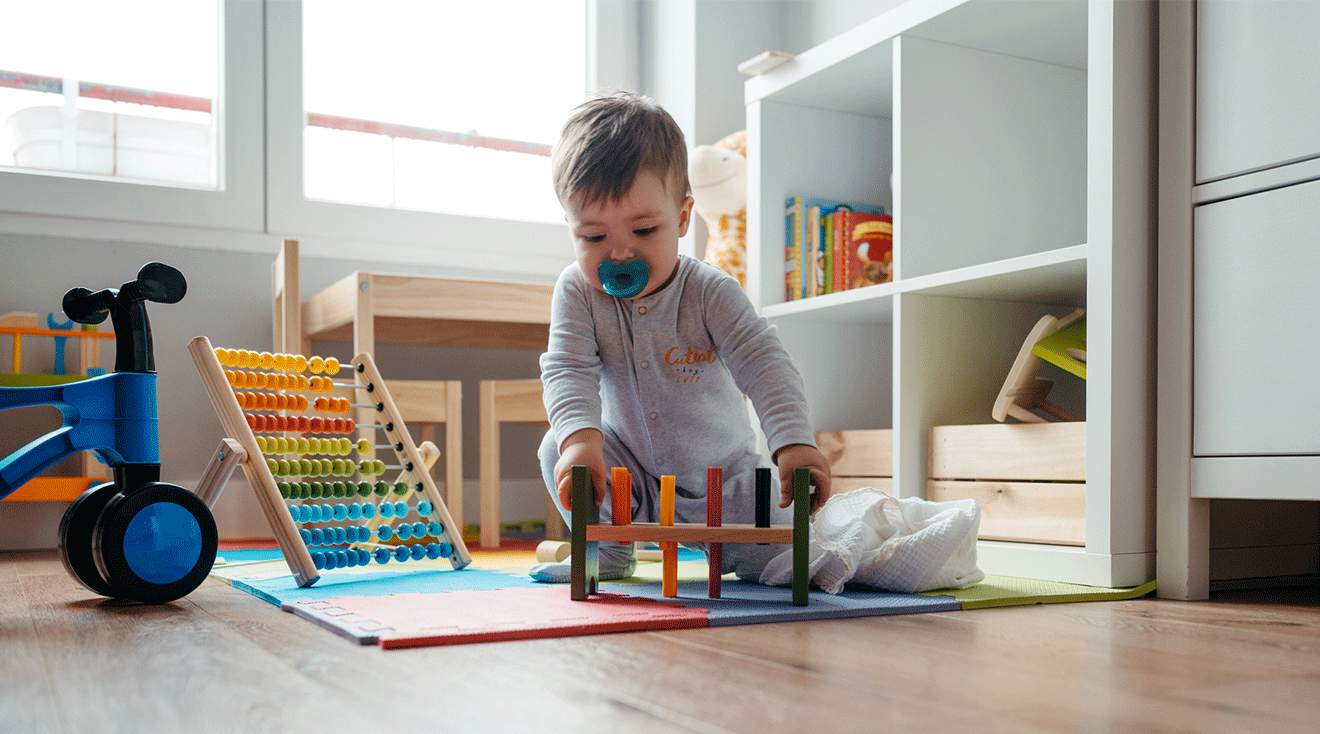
507	401
424	403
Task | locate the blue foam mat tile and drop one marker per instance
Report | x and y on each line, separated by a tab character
742	602
381	583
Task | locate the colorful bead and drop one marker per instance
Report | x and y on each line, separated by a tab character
331	366
368	510
382	555
424	508
418	552
384	533
435	528
402	553
433	550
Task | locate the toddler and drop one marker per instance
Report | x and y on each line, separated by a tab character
651	352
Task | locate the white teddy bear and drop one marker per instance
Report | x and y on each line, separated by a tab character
718	174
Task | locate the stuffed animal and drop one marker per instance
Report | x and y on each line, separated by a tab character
718	174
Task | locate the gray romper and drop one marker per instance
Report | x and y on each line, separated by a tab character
663	378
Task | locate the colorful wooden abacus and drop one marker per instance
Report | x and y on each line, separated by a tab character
302	467
587	533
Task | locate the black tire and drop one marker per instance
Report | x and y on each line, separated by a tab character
155	543
77	530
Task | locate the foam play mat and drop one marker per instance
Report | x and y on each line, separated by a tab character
429	603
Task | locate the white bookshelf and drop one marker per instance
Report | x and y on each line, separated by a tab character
1019	136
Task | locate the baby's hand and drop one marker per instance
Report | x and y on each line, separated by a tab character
800	455
583	448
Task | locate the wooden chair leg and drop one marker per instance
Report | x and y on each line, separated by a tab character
490	467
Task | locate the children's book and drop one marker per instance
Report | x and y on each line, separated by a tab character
803	240
849	263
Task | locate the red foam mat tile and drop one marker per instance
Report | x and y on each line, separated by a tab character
455	617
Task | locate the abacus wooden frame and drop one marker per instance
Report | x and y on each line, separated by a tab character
263	483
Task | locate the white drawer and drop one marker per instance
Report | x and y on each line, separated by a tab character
1257	101
1256	324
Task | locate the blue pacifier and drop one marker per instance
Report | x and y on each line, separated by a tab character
624	280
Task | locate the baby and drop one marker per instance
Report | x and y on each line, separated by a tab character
651	352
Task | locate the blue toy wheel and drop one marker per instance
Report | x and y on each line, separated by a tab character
156	543
77	528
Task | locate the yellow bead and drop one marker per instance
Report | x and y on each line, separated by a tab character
286	467
303	446
274	466
379	466
364	445
331	366
221	357
316	365
267	360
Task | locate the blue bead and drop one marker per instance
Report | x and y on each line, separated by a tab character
339	512
331	561
306	536
318	560
436	529
400	509
424	508
327	513
293	512
387	510
317	536
384	532
368	510
354	511
433	550
363	557
402	553
382	555
341	535
419	530
446	550
342	557
418	552
404	531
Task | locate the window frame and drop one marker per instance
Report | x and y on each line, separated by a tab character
236	205
261	197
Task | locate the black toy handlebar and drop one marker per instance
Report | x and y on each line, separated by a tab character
156	282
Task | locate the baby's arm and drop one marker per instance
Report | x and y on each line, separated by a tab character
582	448
800	455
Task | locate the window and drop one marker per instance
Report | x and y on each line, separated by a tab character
116	110
445	107
82	89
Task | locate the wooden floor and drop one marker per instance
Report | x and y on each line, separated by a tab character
223	661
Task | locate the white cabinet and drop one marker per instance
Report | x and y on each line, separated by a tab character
1257	101
1256	390
1239	192
1012	143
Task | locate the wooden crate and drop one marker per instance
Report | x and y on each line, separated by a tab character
1029	478
858	458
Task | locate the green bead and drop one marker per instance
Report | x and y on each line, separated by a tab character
401	488
364	489
382	489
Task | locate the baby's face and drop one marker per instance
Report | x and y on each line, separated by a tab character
643	226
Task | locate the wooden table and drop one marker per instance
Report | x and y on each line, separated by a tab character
411	309
366	308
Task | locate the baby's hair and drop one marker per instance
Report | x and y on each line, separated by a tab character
607	141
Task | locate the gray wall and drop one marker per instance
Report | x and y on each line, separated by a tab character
229	296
